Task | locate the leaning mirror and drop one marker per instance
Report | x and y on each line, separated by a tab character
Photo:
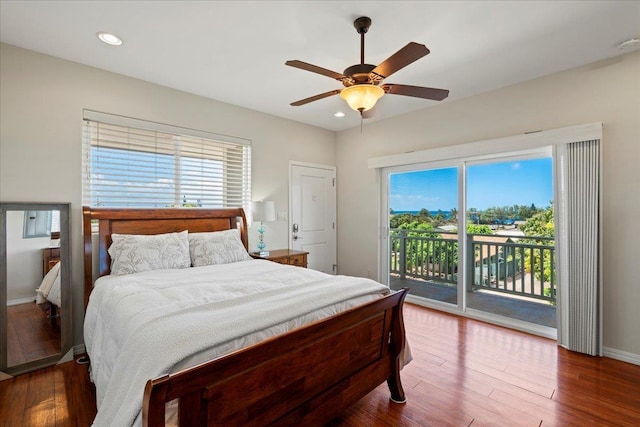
35	297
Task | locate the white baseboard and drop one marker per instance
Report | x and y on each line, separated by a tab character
21	301
621	355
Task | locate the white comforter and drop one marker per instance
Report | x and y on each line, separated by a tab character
49	289
143	325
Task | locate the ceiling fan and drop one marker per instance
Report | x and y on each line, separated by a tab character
363	81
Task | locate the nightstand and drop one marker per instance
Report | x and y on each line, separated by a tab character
284	256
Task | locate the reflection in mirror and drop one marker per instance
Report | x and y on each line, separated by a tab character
37	224
35	299
33	286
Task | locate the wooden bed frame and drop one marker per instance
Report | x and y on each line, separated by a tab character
307	376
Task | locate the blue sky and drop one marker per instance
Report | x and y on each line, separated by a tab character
497	184
137	178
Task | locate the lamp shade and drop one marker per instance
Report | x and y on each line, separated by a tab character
362	97
263	210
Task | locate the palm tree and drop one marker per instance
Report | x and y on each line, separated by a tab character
474	215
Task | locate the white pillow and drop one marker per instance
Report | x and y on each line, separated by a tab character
132	253
217	247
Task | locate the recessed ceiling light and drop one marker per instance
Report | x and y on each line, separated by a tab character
109	38
629	44
339	114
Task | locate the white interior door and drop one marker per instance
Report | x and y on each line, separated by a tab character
312	219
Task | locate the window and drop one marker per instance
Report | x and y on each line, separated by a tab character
134	163
36	224
40	224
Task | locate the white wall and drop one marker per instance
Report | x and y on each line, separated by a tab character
607	91
24	259
41	103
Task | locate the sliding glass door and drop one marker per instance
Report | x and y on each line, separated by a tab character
510	239
422	236
502	263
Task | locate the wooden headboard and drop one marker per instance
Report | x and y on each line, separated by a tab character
149	221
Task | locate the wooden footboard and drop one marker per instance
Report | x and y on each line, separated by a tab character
305	377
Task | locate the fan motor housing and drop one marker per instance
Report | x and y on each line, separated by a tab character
359	74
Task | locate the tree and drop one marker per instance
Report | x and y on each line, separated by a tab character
439	219
422	227
424	213
415	251
424	216
478	229
540	225
473	215
404	218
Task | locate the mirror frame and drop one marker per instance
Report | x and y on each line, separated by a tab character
65	287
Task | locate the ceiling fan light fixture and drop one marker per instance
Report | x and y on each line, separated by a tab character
362	97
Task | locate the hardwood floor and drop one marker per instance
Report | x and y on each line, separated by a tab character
464	373
31	335
61	395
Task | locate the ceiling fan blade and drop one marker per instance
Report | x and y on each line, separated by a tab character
405	56
416	91
315	98
315	69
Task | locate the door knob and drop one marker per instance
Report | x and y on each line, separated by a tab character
295	229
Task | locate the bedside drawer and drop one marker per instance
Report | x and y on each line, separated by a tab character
299	260
284	256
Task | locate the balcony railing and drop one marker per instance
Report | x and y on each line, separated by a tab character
498	263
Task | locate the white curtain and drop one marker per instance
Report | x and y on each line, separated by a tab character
580	242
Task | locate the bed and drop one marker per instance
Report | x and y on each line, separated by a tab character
304	371
48	296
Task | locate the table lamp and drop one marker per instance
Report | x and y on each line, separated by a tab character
263	211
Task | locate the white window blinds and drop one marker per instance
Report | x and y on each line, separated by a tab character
133	163
55	221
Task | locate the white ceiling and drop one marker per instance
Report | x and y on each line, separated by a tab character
234	51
